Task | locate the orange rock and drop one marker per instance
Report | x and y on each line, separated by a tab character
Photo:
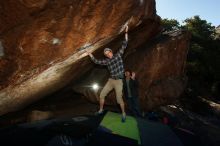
44	45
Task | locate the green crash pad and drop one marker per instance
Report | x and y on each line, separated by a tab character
112	121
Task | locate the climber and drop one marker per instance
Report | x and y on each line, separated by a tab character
115	66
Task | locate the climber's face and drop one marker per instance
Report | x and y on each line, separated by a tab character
127	74
108	54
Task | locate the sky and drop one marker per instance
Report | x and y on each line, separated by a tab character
181	9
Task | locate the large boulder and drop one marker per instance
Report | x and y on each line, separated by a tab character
43	42
159	64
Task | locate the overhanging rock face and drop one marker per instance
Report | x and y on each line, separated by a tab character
44	42
159	65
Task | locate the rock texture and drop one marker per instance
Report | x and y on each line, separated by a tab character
39	115
43	42
43	50
218	29
159	65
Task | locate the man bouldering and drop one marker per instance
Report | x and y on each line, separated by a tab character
115	66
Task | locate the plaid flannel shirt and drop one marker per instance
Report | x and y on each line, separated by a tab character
115	64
